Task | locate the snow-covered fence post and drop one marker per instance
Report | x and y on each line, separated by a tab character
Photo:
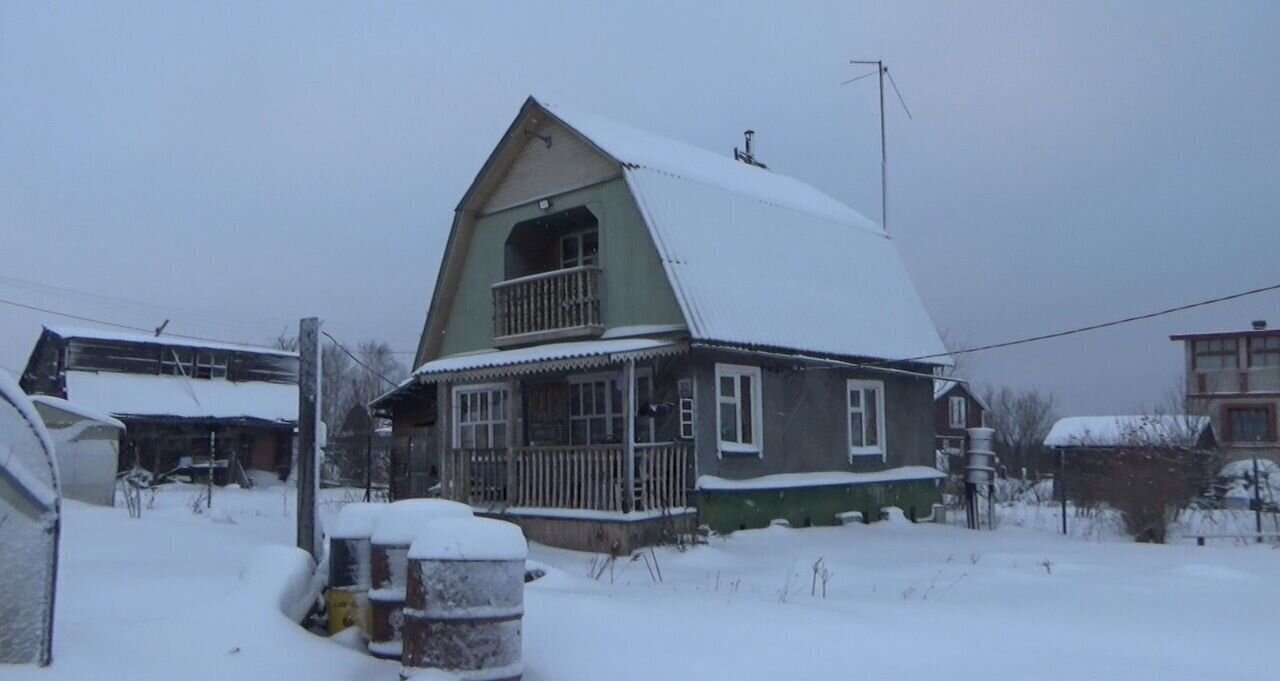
979	470
308	425
465	603
30	520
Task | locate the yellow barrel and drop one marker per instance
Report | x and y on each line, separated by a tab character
349	567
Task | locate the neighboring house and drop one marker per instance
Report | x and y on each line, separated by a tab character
1234	378
86	446
956	408
629	335
1090	447
180	399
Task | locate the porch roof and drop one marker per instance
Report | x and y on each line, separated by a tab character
575	355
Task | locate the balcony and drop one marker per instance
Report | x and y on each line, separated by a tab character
548	306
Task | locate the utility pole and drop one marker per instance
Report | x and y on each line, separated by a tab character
308	427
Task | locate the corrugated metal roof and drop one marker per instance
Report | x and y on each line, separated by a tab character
762	259
567	355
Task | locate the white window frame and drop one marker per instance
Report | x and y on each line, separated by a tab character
957	406
737	372
456	407
210	365
879	449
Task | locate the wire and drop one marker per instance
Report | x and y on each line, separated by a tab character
854	80
355	359
894	83
1095	327
115	324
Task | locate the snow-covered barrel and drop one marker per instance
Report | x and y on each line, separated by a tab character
465	601
393	532
350	571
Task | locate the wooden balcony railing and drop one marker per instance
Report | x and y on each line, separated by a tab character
546	306
591	478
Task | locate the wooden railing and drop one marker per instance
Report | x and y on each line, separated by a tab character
591	478
661	476
587	477
558	304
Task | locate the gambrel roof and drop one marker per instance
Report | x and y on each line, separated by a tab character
756	259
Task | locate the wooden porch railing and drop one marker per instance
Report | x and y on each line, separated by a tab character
556	304
591	478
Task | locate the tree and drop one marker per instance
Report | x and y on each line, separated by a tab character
1021	419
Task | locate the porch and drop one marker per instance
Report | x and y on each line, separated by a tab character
583	477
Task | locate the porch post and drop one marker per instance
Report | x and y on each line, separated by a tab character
629	430
444	409
512	405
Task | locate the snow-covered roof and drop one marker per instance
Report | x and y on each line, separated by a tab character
1118	431
26	450
760	259
176	341
122	394
77	410
942	386
578	350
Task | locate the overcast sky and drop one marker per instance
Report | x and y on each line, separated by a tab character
234	166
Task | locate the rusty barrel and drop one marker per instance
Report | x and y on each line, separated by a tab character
465	600
349	567
393	532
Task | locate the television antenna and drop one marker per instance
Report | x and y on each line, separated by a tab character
882	71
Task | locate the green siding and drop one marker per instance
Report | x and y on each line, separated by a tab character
635	289
726	511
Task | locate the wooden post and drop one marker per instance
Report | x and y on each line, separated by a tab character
308	426
1061	484
213	448
629	432
512	404
444	426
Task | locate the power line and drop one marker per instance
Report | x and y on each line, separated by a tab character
1095	327
117	325
355	359
203	317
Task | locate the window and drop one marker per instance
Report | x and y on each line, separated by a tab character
480	417
685	391
959	412
175	362
866	418
1216	353
1250	424
579	249
738	413
595	409
209	365
1264	351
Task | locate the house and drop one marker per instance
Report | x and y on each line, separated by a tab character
629	336
1089	448
956	408
181	400
1234	378
86	447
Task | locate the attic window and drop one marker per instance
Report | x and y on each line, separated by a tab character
580	249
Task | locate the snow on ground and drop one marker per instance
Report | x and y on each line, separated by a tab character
161	598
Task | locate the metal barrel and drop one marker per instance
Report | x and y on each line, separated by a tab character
465	601
350	571
388	549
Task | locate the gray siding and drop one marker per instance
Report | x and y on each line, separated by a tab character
539	170
804	412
